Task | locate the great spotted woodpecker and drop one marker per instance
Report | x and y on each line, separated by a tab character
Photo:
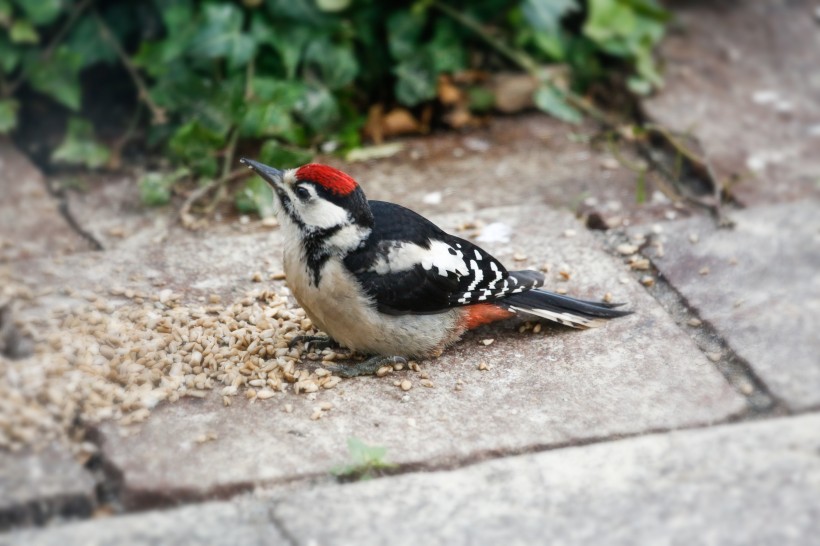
382	280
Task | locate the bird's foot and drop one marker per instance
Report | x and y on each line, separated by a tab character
366	367
316	343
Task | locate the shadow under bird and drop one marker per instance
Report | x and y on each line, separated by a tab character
386	282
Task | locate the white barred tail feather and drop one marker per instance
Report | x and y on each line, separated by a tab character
563	309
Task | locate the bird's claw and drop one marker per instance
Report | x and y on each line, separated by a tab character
366	367
317	343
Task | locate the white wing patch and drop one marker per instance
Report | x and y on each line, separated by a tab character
405	256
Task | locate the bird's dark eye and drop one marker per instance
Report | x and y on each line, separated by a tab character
302	193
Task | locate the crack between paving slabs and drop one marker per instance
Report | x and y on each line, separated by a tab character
68	216
761	402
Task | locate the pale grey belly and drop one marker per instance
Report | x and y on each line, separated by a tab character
347	315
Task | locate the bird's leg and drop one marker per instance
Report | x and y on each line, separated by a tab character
366	367
317	343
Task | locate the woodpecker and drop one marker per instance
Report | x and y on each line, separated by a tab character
384	281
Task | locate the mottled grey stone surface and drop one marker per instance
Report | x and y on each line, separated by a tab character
560	386
754	483
742	77
758	284
30	222
242	521
39	485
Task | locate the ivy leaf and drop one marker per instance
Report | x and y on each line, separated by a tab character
80	147
23	32
446	49
288	41
57	77
283	157
545	15
155	187
196	145
416	80
255	196
8	115
86	41
551	101
221	35
269	111
9	55
318	109
404	30
335	63
40	12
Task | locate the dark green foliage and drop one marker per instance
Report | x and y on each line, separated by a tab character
292	74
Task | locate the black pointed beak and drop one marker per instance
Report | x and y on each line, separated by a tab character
269	174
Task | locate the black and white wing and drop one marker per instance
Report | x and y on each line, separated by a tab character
409	265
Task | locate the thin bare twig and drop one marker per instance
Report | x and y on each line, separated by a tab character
158	114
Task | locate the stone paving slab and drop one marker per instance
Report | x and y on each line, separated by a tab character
30	222
742	77
637	374
751	483
239	522
759	286
756	483
37	486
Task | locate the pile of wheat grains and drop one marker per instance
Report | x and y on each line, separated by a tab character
116	355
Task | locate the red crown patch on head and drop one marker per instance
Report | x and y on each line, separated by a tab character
332	179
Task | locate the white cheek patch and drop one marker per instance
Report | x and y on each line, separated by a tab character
321	214
348	238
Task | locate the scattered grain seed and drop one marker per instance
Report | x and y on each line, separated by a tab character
519	257
694	238
288	408
483	366
647	280
569	233
640	264
714	356
398	366
427	383
694	322
277	276
537	328
561	290
406	385
487	342
384	370
626	249
607	297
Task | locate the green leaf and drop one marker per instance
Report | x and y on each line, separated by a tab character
8	115
283	157
87	42
40	12
545	15
269	111
333	6
404	30
446	49
155	187
416	80
318	109
80	147
335	63
9	55
255	196
57	77
197	145
289	42
23	32
551	101
221	35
